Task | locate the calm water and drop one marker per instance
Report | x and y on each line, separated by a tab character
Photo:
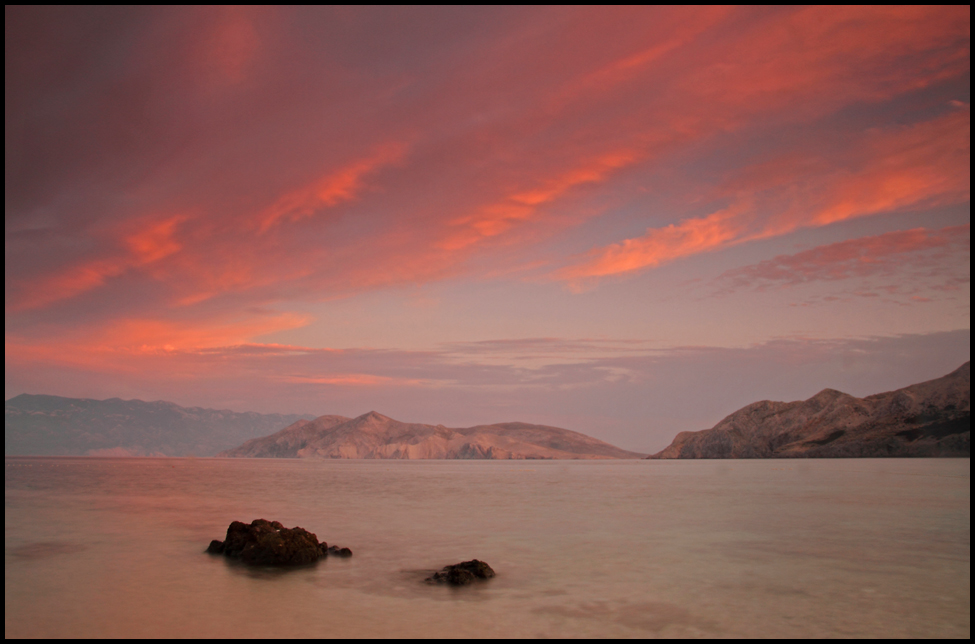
114	547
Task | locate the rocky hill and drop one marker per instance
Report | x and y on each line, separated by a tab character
53	426
931	418
373	435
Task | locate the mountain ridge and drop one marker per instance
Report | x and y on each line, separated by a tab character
47	425
930	418
373	435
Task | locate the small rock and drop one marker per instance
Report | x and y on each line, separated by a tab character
462	574
215	547
335	551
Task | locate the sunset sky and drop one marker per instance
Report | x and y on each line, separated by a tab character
626	222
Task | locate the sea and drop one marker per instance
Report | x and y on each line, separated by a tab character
114	547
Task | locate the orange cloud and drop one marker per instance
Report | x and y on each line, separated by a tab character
124	345
923	165
336	187
148	336
151	243
808	61
927	164
815	57
511	145
66	284
661	245
497	218
155	241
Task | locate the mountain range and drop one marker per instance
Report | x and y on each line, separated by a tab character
373	435
52	426
931	418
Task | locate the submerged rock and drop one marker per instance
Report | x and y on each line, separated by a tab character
268	543
335	551
462	574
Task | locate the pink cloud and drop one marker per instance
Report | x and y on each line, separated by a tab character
919	166
151	241
886	254
614	93
524	204
335	187
660	245
174	174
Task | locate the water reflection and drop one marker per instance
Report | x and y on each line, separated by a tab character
42	549
114	548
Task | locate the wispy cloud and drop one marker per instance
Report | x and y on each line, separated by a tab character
150	242
637	399
939	251
182	184
919	166
335	187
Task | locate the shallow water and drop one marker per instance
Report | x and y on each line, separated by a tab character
818	548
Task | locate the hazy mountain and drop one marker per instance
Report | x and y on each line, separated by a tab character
52	425
931	418
373	435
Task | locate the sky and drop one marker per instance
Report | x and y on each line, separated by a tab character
626	222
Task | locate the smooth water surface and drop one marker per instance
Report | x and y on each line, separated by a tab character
813	548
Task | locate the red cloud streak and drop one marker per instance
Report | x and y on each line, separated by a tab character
920	166
179	179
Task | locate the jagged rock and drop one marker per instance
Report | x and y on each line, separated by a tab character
462	574
269	543
931	418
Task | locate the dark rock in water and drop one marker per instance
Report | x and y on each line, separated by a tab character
335	551
268	543
462	574
454	577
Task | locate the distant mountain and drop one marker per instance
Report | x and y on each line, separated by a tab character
931	418
52	425
373	435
